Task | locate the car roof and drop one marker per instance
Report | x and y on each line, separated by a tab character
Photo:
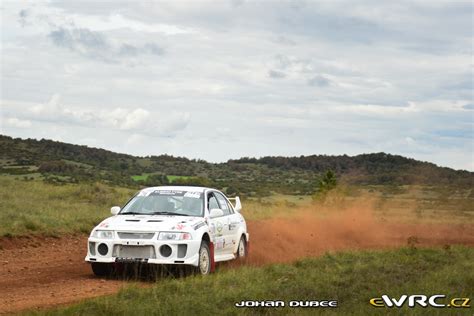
178	188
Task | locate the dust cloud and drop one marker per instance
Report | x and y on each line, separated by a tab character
316	230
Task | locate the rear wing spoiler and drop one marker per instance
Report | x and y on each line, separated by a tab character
236	203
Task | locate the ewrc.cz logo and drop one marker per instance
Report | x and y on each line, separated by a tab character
411	301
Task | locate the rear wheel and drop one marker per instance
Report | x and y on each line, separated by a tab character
242	250
204	266
101	269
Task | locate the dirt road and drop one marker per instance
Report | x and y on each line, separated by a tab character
45	272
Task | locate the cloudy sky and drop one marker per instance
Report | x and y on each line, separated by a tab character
226	79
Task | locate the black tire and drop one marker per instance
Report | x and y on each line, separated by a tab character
242	248
101	269
204	262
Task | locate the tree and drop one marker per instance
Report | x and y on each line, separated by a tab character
327	183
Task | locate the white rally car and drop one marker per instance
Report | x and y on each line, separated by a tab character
174	225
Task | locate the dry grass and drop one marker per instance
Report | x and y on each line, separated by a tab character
34	207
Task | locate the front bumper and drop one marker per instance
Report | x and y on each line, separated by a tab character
148	251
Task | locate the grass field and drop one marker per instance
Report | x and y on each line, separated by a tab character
34	207
425	203
173	178
141	177
352	278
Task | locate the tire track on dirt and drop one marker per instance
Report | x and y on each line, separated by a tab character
42	272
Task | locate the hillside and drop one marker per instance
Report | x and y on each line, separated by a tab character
59	162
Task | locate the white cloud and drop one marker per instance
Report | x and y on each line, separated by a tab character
17	123
118	21
132	120
377	110
138	120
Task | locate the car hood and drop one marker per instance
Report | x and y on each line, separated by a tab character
149	223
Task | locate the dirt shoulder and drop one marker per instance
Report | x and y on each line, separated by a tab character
41	272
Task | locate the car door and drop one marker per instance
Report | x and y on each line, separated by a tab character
230	229
216	225
236	225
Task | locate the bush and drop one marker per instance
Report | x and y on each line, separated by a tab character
327	183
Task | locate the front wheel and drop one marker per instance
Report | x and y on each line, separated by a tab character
204	265
242	250
101	269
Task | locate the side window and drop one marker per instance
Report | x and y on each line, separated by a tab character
223	203
212	201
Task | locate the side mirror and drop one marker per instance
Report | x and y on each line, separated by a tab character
216	212
114	210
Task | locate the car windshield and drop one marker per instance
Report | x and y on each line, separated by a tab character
165	202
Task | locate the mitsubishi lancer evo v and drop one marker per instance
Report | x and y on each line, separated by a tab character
170	225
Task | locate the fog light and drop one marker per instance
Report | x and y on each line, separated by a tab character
103	249
165	251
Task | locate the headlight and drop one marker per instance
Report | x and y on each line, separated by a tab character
174	236
103	234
